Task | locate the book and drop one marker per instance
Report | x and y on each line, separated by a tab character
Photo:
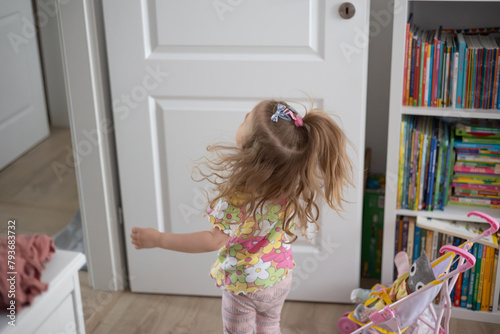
472	279
487	279
405	88
461	65
493	280
475	186
416	243
474	201
428	244
411	237
432	169
465	289
478	158
477	277
458	291
404	234
480	286
459	229
476	193
477	170
439	166
401	163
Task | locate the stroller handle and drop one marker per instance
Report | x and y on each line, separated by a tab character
493	223
470	260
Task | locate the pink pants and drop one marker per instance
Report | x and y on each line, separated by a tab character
258	312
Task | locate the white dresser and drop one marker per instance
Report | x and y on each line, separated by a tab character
59	309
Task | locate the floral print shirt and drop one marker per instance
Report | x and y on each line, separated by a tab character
256	256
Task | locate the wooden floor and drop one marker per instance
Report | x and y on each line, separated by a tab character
44	201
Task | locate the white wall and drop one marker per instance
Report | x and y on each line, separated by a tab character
379	68
50	51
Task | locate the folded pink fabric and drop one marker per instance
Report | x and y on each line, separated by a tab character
31	252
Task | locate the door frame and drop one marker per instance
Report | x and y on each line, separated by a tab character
81	33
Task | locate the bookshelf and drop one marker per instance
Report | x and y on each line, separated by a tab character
430	15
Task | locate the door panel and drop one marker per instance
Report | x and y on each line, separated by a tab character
23	114
182	78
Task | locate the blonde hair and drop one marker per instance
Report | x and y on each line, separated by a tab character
279	160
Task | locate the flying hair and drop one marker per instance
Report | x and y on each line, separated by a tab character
281	160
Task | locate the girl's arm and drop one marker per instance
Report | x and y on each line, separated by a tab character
197	242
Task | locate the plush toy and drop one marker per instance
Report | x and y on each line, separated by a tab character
408	281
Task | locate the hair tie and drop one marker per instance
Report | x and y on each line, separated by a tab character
285	113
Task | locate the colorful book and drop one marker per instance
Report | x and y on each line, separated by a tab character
411	237
465	289
416	243
461	66
472	279
485	299
493	280
477	278
481	276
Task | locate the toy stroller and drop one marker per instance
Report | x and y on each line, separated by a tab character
416	310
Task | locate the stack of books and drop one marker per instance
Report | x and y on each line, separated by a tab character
474	288
452	68
425	163
476	179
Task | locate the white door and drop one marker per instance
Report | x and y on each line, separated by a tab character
183	75
23	114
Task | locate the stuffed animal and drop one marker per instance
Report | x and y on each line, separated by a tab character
407	282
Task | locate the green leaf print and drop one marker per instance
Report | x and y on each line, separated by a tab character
272	212
232	214
274	276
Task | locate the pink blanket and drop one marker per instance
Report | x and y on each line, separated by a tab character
31	251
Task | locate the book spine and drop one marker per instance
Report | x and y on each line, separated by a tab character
416	83
416	243
453	98
472	279
401	163
480	170
458	291
481	279
432	169
465	289
412	72
404	235
476	186
406	63
468	157
493	279
411	237
435	72
487	280
421	83
425	85
428	244
461	68
475	200
478	273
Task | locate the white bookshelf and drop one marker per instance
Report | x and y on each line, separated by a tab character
429	15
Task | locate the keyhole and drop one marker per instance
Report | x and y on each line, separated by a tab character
347	10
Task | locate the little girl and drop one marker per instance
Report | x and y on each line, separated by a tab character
267	187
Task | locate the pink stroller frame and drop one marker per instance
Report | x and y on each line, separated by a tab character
404	313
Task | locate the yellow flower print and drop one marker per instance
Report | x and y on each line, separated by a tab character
246	258
245	228
244	287
218	275
274	243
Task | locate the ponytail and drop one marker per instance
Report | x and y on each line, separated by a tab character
327	156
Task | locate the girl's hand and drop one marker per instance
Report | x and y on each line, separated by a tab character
145	237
